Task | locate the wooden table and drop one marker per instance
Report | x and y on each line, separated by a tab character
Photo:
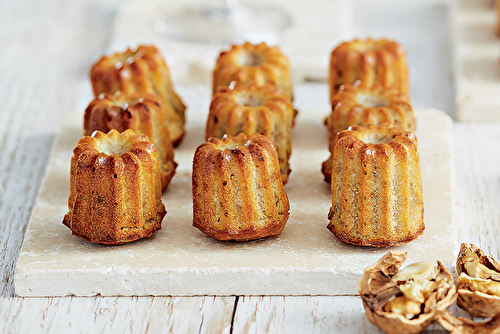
47	48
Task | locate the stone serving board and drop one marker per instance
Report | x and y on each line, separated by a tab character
476	63
180	260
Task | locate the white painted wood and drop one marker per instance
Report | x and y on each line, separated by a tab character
298	314
476	53
314	314
117	315
47	47
477	161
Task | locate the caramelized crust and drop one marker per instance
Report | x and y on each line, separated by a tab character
247	108
259	64
143	70
237	189
139	112
376	187
115	189
361	105
369	61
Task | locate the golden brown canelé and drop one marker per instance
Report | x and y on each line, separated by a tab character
371	62
376	187
140	112
143	70
247	108
237	189
360	105
258	63
115	188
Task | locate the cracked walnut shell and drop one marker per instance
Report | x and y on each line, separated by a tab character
478	283
462	325
405	301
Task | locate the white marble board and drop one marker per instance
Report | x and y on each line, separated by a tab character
179	260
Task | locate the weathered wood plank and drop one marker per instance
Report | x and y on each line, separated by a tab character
117	315
316	314
46	50
477	186
278	314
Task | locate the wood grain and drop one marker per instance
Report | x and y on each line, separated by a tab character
477	175
319	314
47	48
43	56
117	315
476	52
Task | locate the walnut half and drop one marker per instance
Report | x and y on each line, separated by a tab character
478	282
405	301
465	326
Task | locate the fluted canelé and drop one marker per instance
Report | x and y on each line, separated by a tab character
360	105
237	189
371	62
143	70
115	188
376	187
139	112
248	108
257	63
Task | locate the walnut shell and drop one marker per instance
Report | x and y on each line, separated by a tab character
380	285
466	326
479	282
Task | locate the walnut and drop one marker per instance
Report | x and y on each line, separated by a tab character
405	301
478	284
465	326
